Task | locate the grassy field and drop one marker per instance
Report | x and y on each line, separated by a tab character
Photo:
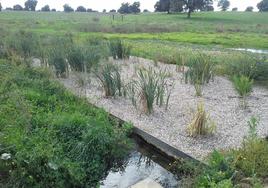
226	29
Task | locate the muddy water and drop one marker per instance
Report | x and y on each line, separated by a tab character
142	163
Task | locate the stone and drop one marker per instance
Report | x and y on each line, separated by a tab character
147	183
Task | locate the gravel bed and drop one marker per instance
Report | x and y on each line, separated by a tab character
220	99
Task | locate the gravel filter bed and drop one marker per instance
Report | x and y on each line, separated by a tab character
219	97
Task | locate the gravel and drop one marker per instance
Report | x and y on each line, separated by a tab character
220	99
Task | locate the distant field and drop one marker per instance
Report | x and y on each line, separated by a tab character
226	29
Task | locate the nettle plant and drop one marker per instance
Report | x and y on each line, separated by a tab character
200	71
110	78
150	89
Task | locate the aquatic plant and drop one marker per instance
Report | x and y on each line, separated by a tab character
119	49
201	123
110	79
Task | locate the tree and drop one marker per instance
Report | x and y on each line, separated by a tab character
46	8
0	7
234	9
53	10
30	5
81	9
127	8
104	11
17	7
175	6
162	6
67	8
146	10
113	10
208	8
249	9
192	5
263	6
135	7
224	4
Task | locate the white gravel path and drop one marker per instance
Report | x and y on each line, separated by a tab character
219	97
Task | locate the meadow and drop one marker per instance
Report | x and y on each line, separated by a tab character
173	77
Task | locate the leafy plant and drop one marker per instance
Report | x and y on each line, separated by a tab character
201	123
110	79
243	85
57	60
119	50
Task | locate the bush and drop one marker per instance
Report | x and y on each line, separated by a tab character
110	79
201	123
49	137
57	59
119	50
76	58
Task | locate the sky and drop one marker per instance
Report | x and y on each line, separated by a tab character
112	4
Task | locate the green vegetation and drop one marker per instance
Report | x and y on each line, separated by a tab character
243	85
242	167
119	50
110	79
201	123
49	137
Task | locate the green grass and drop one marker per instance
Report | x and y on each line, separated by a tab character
228	29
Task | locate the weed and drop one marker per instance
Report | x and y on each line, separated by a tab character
201	123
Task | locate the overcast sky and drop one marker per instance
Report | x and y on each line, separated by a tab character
112	4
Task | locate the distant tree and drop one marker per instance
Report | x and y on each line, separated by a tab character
9	8
127	8
224	4
0	7
17	7
113	10
89	10
176	6
67	8
135	7
162	6
146	10
249	9
30	5
234	9
263	6
104	11
81	9
208	8
46	8
192	5
53	10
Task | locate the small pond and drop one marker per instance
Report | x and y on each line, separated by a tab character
251	50
143	162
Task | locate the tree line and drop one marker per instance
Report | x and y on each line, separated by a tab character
168	6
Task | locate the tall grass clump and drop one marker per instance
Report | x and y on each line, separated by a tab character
200	71
22	43
110	79
119	49
243	86
151	88
57	60
76	58
201	123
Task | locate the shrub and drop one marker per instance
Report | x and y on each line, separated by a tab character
201	123
201	70
110	79
119	50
